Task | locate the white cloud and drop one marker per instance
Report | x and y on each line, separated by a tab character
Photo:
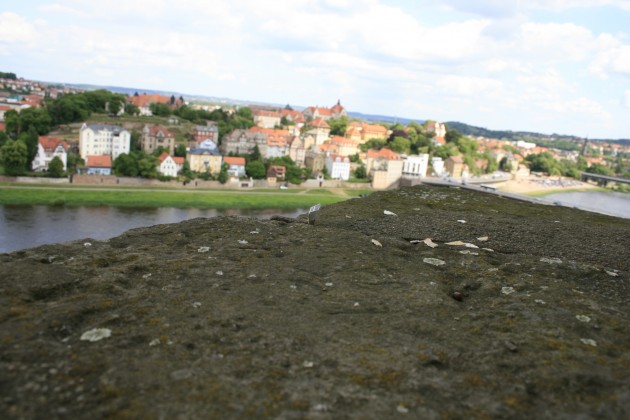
626	99
16	29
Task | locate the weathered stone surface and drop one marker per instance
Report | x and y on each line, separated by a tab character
245	318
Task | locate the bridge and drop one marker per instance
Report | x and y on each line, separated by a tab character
603	180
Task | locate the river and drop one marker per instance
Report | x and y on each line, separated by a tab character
611	203
24	227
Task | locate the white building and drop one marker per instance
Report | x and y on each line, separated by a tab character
338	167
103	140
415	166
47	149
170	165
438	166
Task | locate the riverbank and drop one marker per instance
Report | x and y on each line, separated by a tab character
541	186
95	196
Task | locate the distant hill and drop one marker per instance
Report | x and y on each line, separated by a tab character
471	130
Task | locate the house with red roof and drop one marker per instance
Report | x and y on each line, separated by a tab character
276	173
98	165
313	112
384	167
144	101
157	136
266	119
236	166
47	149
170	165
319	129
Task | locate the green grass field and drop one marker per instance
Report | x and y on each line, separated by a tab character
148	198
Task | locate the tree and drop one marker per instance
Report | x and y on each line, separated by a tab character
125	165
180	150
147	166
55	168
360	172
399	145
255	169
223	174
31	139
598	168
134	141
14	156
377	144
255	154
542	162
186	172
246	113
160	110
131	109
338	126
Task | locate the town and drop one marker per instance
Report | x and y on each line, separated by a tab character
99	137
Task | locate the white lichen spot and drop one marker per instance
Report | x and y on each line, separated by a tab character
507	290
377	243
589	342
251	276
482	238
488	249
542	302
456	243
402	409
612	273
461	221
308	364
293	286
356	304
87	244
551	260
429	242
465	252
434	261
254	232
389	213
329	284
203	249
154	342
96	334
348	216
583	318
493	269
468	245
146	276
219	273
242	242
196	304
432	283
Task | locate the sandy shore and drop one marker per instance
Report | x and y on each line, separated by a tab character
535	185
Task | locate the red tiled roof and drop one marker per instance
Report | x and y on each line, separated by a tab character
319	123
179	160
383	154
98	161
155	129
51	143
145	100
233	160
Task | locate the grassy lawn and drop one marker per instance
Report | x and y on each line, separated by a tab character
183	199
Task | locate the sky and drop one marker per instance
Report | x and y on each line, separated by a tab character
549	66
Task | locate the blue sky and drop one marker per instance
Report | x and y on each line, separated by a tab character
552	66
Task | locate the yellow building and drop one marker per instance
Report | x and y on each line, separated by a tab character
204	160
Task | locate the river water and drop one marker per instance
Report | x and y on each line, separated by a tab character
611	203
24	227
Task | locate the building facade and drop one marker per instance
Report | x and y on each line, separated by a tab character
103	140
